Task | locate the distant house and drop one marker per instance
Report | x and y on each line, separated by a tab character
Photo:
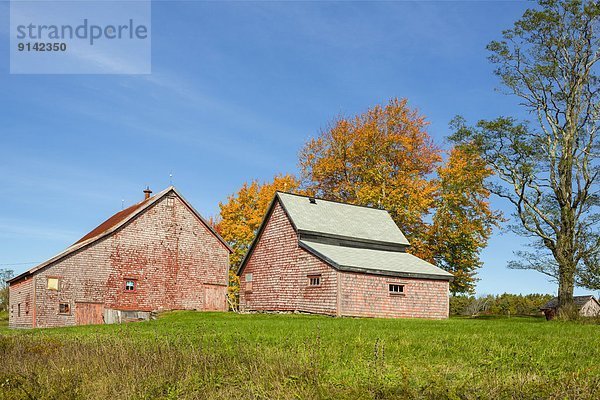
588	306
158	254
326	257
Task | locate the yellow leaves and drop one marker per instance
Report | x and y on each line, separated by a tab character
463	220
241	215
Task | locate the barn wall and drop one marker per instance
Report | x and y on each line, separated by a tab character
590	309
364	295
280	271
168	252
21	295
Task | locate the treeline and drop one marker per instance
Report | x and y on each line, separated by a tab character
504	304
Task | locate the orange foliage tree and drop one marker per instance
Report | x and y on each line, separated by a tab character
385	158
382	158
463	219
240	218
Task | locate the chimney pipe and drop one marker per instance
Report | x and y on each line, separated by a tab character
147	193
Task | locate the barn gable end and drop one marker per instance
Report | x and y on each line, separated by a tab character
276	274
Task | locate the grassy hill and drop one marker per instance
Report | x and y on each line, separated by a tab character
188	355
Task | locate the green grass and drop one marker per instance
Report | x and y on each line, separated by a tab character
188	355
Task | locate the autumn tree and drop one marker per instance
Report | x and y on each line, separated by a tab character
241	216
385	158
549	169
382	158
463	219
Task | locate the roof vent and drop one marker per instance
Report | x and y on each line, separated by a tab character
147	193
312	200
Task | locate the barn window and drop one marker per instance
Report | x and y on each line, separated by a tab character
129	285
19	310
248	282
64	308
396	288
314	280
170	201
27	308
52	283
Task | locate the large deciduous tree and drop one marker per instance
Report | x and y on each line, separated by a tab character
241	216
382	158
549	169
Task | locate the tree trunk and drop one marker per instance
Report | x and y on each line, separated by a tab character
566	277
565	289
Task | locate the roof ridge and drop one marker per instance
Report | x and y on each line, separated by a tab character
333	201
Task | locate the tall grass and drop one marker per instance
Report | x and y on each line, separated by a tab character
188	355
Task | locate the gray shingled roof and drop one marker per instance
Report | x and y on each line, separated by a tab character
579	302
375	261
338	219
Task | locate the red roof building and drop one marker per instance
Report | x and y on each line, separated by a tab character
156	255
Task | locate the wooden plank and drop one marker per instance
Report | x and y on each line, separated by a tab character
215	298
89	313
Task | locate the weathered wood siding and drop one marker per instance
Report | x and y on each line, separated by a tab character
590	309
20	308
365	295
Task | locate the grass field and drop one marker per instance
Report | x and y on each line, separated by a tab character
188	355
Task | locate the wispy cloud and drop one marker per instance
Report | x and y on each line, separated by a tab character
11	229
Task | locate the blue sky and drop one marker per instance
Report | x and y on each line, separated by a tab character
236	88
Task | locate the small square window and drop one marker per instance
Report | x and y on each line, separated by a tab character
64	308
314	280
396	289
129	285
249	277
52	283
170	201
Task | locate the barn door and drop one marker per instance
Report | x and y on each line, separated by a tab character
214	298
89	313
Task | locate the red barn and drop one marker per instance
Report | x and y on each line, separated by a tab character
326	257
158	254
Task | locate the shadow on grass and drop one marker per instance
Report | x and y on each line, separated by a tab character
532	318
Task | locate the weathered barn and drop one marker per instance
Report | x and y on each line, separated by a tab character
587	306
159	254
326	257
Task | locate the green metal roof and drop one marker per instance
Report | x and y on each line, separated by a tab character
375	261
342	220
